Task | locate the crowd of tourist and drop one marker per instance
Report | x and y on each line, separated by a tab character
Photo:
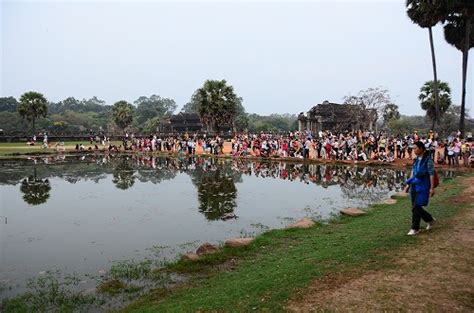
360	146
324	145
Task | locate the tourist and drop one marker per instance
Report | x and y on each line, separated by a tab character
457	151
465	152
307	147
421	187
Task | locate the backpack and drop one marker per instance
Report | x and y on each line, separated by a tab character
435	179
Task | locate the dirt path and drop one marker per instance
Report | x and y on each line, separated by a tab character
435	276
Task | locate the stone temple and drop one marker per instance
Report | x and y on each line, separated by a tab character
336	117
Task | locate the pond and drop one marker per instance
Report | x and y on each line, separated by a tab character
79	214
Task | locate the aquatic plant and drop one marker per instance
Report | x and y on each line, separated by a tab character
50	292
131	269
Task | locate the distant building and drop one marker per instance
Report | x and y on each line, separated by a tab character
188	122
336	117
181	122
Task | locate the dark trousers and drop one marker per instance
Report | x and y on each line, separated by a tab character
306	153
418	213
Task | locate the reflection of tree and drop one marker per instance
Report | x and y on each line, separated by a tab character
35	191
124	175
217	195
370	184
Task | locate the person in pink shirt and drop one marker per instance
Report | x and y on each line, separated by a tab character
457	151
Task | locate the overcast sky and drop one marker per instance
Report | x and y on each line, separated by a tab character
280	56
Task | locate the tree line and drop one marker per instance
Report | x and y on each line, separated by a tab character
216	103
218	107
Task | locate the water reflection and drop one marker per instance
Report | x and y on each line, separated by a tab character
214	179
124	175
35	191
217	195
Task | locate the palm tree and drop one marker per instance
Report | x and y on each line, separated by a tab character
428	13
123	114
217	104
427	99
32	106
458	32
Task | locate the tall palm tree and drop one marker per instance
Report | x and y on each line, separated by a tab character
217	104
427	101
122	112
459	33
426	14
32	106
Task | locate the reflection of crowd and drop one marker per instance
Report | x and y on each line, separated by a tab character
213	176
321	174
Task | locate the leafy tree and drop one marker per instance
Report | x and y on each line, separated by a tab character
241	122
151	125
459	32
273	122
60	126
154	106
373	99
398	126
33	105
190	107
8	104
123	114
217	104
449	123
72	104
390	112
12	124
94	105
85	105
426	14
427	99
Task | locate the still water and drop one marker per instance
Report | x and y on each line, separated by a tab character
79	214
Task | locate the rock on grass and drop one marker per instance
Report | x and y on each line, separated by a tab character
206	248
353	212
302	223
190	257
238	242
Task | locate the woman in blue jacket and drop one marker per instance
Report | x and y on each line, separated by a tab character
421	187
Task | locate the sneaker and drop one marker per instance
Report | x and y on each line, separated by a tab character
430	224
413	232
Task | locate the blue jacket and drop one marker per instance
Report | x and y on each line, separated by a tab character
420	181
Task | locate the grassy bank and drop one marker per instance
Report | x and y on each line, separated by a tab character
264	275
17	148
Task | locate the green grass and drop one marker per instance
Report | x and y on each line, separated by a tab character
18	148
281	262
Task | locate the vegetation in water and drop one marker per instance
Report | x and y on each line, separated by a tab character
50	292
